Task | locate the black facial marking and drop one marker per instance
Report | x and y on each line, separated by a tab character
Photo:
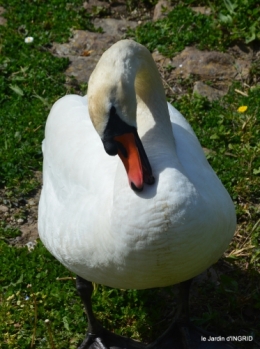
115	127
111	147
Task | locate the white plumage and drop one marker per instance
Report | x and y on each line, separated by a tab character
89	217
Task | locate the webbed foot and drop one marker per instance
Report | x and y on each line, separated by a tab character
92	341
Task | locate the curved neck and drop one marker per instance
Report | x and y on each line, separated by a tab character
126	77
142	83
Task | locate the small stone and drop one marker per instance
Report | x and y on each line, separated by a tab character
31	245
161	9
31	202
3	208
20	220
94	4
207	91
202	9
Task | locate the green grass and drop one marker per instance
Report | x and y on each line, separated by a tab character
31	80
228	23
31	294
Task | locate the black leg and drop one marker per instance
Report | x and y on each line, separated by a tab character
183	320
95	330
180	324
184	294
97	336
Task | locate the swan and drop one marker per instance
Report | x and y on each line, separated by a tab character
129	199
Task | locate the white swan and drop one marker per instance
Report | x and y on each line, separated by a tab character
91	219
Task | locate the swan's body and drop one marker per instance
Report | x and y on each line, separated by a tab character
109	232
89	217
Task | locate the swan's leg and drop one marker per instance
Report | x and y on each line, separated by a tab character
181	322
95	330
97	336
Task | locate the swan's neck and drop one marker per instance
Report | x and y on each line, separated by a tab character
144	84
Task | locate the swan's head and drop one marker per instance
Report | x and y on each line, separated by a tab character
112	109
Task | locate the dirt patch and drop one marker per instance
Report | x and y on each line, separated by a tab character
22	214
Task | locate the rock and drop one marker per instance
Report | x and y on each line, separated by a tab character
96	6
29	233
85	48
119	8
20	220
30	220
4	208
83	51
218	67
202	9
31	202
208	65
207	91
114	27
161	9
221	69
241	51
160	59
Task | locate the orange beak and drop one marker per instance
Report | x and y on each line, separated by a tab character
131	159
